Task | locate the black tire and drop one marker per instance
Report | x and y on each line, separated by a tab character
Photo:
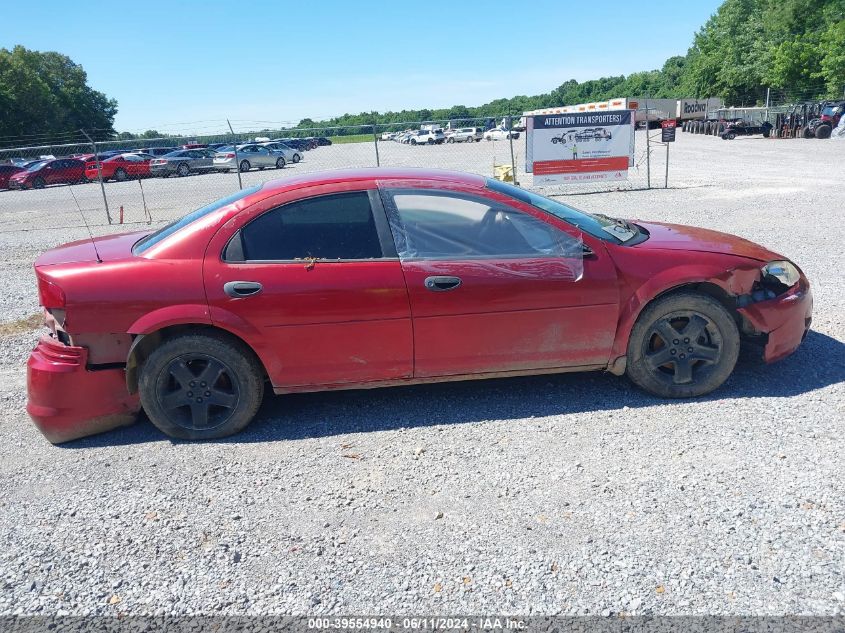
38	183
451	139
120	175
470	139
296	158
823	131
222	404
730	136
807	133
244	166
696	338
413	141
431	141
183	169
280	162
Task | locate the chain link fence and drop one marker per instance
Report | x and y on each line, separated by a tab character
97	184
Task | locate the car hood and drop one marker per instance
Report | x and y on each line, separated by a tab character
677	237
21	175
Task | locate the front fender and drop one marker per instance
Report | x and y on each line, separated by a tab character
735	281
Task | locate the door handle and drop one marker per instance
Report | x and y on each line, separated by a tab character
240	289
441	284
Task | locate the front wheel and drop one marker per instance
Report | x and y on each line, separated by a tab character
296	158
823	131
200	387
683	345
38	183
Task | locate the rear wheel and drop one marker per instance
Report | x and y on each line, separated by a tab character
200	387
683	345
280	163
296	158
470	139
120	175
451	139
244	166
823	131
183	169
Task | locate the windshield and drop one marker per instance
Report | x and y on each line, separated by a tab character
598	225
830	110
163	233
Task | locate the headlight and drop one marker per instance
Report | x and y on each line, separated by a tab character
779	276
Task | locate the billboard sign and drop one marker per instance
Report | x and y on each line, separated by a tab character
580	147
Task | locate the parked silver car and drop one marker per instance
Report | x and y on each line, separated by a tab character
464	135
291	155
183	162
247	157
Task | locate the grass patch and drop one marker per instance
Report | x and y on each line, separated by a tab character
26	324
352	138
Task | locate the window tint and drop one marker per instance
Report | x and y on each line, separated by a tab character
339	226
435	225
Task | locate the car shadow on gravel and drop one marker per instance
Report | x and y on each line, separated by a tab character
819	362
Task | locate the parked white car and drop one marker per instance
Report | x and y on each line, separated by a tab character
464	135
499	134
428	137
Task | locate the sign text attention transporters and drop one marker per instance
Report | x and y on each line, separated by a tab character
580	147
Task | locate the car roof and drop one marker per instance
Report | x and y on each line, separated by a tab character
370	173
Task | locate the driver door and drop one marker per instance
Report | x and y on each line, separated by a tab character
498	286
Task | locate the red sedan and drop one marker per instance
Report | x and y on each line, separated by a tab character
60	171
6	172
121	167
378	277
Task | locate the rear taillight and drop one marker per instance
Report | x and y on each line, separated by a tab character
50	294
228	156
157	161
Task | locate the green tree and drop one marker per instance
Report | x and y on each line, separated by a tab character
48	94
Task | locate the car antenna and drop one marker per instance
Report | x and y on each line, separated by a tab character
90	234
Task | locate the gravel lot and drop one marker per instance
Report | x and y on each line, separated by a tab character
565	494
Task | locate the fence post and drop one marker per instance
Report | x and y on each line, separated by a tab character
375	142
237	160
510	142
647	148
99	174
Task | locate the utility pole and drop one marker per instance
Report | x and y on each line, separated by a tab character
237	161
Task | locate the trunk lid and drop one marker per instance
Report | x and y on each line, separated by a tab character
110	248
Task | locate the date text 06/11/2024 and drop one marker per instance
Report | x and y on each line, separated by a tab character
419	624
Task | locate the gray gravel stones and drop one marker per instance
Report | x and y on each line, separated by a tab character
571	494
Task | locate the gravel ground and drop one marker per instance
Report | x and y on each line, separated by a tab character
564	494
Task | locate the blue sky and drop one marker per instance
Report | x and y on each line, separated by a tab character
187	65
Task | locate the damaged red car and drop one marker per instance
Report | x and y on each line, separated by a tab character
379	277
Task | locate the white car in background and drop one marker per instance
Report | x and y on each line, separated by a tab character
500	134
428	137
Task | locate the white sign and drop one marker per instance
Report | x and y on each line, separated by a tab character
580	147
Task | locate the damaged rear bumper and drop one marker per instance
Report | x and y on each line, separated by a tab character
67	400
785	320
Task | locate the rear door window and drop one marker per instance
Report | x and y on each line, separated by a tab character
332	227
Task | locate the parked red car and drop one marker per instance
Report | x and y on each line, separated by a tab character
58	171
121	167
6	172
377	277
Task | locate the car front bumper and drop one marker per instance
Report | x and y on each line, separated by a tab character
785	320
66	400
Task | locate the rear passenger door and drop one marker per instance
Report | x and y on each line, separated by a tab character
311	279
